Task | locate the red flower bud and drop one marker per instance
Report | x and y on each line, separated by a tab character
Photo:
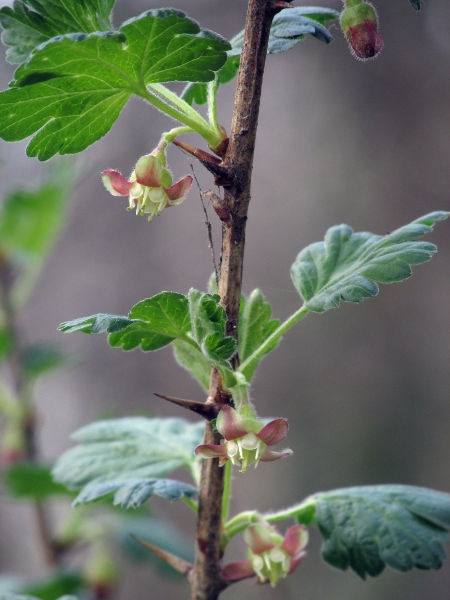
359	22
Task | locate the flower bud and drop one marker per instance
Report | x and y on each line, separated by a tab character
359	22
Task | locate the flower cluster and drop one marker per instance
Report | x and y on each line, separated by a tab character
245	440
271	556
149	188
359	22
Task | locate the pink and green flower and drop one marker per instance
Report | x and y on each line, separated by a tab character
271	556
246	440
149	188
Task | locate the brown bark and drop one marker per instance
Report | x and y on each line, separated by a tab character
206	578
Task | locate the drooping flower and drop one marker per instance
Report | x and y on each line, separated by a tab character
271	556
149	188
245	440
359	22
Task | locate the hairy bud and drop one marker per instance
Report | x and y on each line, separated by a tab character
359	22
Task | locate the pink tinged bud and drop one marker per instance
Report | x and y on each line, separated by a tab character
149	171
359	22
230	424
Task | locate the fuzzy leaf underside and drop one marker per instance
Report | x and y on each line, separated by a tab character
73	87
31	22
255	326
191	359
289	27
369	528
347	265
131	458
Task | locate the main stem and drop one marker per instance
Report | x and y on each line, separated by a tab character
206	578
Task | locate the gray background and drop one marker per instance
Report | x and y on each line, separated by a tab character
365	388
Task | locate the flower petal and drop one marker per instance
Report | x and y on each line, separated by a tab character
149	171
115	183
296	561
270	455
238	570
295	540
179	190
259	537
211	451
229	423
274	432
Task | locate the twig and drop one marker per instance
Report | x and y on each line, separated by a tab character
208	227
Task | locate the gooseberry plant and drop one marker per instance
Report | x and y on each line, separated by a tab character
76	72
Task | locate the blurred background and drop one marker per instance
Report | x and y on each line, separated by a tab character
365	388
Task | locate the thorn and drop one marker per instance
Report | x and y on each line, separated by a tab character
182	566
206	410
278	5
210	162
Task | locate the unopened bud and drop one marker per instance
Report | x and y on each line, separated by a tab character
359	22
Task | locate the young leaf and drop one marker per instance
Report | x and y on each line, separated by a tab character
42	358
125	450
368	528
288	28
73	88
208	322
255	326
193	361
31	22
347	265
30	480
151	324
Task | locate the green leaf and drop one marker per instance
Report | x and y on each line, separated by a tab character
31	219
31	22
255	326
368	528
73	88
129	457
347	265
208	321
129	492
193	361
12	596
59	585
5	343
151	324
288	28
30	480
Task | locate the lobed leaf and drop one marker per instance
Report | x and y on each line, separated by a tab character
347	265
31	22
130	457
255	326
73	87
368	528
288	28
151	324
